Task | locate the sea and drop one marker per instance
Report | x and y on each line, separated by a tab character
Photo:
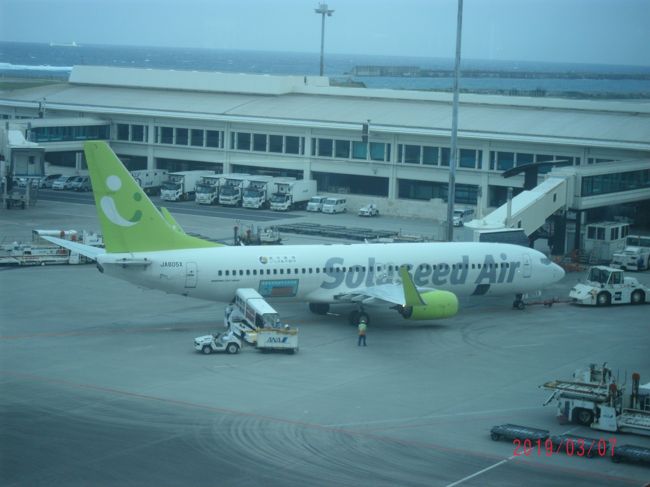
41	60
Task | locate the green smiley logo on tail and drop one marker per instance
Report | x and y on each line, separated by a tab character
130	221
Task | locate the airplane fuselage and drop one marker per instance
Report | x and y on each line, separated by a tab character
324	273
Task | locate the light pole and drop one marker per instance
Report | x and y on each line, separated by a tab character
451	192
323	10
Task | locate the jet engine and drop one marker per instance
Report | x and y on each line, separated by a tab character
437	304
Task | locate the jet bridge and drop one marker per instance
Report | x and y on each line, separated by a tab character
528	210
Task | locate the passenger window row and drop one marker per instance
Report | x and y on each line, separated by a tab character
334	270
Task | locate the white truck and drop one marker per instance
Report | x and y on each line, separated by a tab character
631	259
232	188
605	286
593	398
207	190
258	192
316	203
181	186
292	194
150	180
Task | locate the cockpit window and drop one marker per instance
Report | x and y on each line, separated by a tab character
545	261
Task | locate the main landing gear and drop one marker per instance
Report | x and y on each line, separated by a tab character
518	303
354	317
319	308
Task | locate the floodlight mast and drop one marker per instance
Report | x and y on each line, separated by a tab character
451	190
323	10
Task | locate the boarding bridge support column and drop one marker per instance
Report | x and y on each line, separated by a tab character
558	239
576	239
78	161
151	137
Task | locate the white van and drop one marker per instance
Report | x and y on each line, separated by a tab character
316	203
334	205
462	216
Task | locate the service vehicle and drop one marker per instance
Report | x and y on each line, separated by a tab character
181	186
232	189
335	205
41	252
461	216
150	180
258	192
63	182
218	342
82	183
594	398
369	210
605	286
291	195
316	203
632	259
254	321
47	181
207	190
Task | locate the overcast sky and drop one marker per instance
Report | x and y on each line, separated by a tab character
590	31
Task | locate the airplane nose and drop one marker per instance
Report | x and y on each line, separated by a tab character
558	272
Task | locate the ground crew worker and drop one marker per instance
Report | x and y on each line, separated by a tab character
362	332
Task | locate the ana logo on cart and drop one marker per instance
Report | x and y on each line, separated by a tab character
277	339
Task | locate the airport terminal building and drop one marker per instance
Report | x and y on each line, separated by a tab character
300	126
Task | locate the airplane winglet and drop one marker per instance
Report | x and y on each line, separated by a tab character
411	295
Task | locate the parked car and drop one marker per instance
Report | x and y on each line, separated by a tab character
82	183
63	182
315	203
369	210
334	205
47	181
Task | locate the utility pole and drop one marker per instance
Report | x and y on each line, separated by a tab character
451	191
323	10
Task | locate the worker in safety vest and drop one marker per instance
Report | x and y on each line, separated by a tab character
362	332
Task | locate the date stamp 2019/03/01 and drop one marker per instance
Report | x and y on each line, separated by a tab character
579	447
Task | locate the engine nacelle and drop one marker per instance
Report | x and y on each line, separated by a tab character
438	304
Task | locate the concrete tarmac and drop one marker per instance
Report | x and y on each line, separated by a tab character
100	385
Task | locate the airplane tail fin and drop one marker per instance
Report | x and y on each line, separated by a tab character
130	221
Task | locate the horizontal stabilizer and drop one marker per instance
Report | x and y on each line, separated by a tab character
85	250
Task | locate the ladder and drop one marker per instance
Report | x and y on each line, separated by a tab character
594	392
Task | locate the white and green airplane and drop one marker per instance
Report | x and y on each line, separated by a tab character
421	281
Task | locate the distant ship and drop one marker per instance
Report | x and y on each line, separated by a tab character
71	44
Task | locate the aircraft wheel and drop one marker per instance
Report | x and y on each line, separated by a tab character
638	297
206	350
584	417
603	299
